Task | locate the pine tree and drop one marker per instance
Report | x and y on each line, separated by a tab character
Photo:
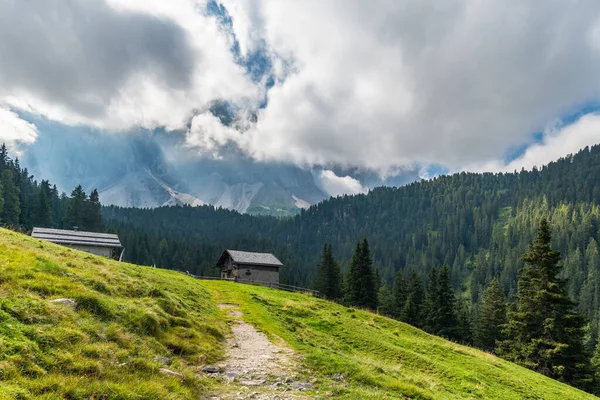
544	332
329	277
431	301
464	322
490	317
75	209
10	193
399	294
43	206
446	305
92	217
412	312
385	301
361	291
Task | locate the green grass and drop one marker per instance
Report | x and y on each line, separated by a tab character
105	348
128	314
380	357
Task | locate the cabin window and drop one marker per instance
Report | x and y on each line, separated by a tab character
248	272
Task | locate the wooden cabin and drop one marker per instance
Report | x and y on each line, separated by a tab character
244	266
100	244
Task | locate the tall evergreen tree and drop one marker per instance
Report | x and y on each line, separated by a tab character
385	301
446	306
431	303
412	310
361	291
399	294
92	217
329	277
544	332
491	317
10	194
43	206
76	209
464	322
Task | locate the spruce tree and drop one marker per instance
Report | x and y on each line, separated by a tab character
361	291
464	322
491	317
10	193
75	209
329	277
544	332
385	301
92	217
431	301
399	294
446	306
43	206
412	312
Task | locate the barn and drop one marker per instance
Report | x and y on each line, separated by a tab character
100	244
245	266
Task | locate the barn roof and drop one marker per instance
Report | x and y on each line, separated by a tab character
61	236
246	257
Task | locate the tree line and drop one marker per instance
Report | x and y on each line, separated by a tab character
25	202
540	329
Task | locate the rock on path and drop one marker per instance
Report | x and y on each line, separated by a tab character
256	367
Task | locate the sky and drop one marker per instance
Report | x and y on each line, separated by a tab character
475	85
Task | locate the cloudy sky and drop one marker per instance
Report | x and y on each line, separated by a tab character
480	85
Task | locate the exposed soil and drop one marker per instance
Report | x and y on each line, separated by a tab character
257	368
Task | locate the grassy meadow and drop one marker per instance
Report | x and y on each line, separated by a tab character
381	358
104	349
128	315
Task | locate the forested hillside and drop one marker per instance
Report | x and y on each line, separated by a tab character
477	224
25	202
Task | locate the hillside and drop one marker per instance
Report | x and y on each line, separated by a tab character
477	224
107	346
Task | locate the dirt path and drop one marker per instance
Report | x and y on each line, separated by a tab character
257	368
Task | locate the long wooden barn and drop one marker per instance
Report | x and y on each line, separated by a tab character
100	244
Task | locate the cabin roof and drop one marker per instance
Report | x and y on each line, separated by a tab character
247	257
61	236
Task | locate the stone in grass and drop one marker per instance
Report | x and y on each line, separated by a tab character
163	360
171	373
211	369
67	302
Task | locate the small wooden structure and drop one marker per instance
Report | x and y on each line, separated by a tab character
100	244
244	266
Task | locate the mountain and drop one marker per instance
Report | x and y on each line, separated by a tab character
74	325
154	168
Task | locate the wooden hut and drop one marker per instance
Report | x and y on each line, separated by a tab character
245	266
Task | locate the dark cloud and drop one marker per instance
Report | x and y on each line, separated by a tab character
78	54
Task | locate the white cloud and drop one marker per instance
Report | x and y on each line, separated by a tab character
116	65
368	84
334	185
15	132
388	83
556	143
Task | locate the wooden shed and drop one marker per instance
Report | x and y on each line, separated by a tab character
100	244
245	266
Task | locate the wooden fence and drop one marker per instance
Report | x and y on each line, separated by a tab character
280	286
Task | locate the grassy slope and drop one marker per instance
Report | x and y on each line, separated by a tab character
381	357
128	314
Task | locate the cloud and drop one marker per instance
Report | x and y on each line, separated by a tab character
374	85
556	143
15	132
334	185
390	83
114	66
